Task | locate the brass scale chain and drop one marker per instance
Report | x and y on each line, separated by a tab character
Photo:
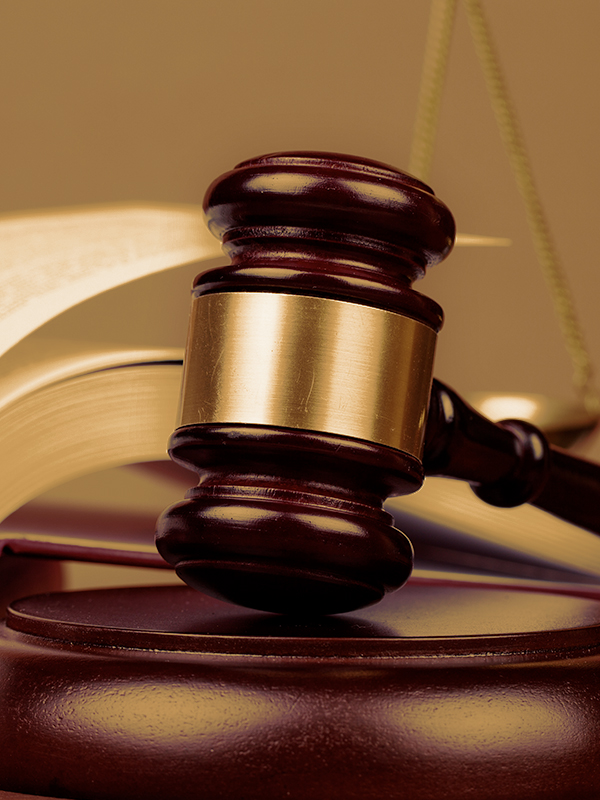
432	83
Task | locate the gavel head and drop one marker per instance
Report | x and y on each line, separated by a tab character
306	383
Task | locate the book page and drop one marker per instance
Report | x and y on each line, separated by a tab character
53	260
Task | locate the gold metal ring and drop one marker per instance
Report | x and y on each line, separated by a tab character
310	363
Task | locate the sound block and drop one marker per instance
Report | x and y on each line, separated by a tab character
443	691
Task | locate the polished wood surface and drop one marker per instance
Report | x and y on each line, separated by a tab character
443	690
328	224
19	796
508	463
23	575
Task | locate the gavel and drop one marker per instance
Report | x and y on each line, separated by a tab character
308	396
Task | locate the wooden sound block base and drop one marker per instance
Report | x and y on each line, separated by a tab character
441	691
19	796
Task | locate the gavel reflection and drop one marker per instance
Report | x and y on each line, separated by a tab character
308	397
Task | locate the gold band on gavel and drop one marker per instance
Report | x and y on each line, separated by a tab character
310	363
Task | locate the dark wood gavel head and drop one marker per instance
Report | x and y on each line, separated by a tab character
306	383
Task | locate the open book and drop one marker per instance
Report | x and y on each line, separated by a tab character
70	409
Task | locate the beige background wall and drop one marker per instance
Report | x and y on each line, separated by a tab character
107	100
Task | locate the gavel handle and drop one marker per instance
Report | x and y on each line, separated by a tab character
508	463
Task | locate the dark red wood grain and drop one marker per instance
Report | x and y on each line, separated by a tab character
328	225
292	521
508	463
443	690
